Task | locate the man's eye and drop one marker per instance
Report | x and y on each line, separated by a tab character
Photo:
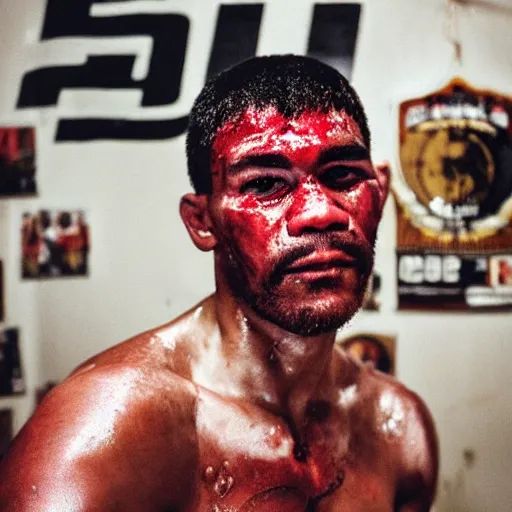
343	177
263	186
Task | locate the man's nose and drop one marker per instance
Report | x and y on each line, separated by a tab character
314	211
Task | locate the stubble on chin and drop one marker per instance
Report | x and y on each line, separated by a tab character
309	316
299	312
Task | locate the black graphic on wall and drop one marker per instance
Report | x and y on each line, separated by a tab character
333	35
236	36
332	40
161	86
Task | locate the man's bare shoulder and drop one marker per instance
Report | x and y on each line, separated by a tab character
173	347
401	421
120	421
169	347
382	392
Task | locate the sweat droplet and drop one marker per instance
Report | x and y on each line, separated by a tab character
223	485
209	475
274	437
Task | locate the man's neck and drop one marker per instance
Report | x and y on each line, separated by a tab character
278	370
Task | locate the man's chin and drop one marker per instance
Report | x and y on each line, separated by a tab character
305	307
311	317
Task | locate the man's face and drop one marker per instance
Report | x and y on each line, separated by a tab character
295	207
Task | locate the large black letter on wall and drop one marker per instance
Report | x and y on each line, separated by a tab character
161	86
332	39
236	36
333	35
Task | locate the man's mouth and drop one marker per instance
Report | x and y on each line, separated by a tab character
322	264
321	258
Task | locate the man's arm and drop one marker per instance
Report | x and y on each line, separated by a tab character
114	438
420	455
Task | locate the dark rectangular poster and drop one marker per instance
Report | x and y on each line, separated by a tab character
17	161
5	430
11	375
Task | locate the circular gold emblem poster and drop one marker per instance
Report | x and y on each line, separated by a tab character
454	199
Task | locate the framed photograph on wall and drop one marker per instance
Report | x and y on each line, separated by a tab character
6	430
11	374
55	243
17	161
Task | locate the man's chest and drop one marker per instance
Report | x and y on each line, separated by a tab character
253	461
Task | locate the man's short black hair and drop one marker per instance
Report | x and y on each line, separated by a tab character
292	84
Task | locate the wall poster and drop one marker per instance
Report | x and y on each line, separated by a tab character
370	348
453	193
17	161
54	244
6	430
11	377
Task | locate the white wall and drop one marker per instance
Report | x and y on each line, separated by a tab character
144	270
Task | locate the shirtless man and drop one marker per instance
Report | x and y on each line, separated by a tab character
243	403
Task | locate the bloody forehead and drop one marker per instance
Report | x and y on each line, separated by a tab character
269	131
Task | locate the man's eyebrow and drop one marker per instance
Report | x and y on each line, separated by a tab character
268	160
353	152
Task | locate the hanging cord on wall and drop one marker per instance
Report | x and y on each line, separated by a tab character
453	10
451	27
487	5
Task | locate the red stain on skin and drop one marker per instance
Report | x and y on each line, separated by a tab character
268	130
273	187
317	475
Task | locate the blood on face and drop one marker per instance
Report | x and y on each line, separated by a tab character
286	191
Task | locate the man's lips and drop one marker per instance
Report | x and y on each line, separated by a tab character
321	262
322	257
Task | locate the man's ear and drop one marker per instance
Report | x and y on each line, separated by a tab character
384	178
195	216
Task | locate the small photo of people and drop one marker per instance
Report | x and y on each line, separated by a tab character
17	161
500	270
374	349
54	244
